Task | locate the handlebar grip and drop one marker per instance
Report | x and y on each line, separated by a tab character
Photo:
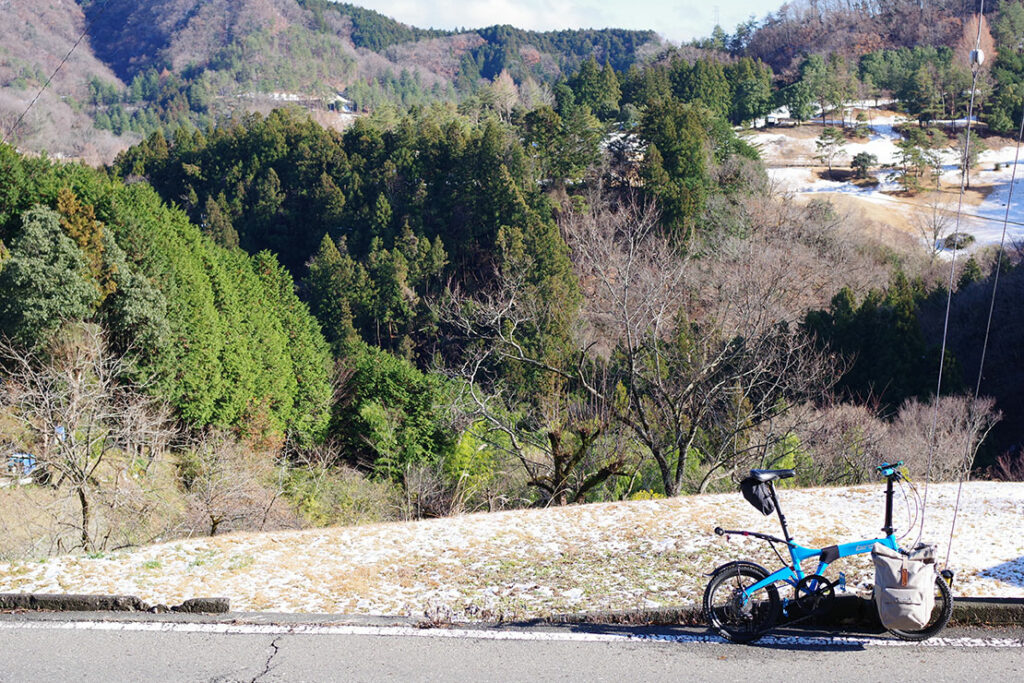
719	531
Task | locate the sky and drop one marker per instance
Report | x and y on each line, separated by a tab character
674	20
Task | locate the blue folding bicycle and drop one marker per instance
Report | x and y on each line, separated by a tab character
742	600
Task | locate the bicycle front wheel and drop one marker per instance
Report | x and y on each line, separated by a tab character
941	613
734	615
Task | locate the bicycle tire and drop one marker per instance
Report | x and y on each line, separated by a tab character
941	614
734	620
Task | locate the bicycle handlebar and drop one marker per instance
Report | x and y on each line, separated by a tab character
889	469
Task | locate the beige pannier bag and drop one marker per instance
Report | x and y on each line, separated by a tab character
904	586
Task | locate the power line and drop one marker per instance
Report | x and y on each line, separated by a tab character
976	68
964	473
85	32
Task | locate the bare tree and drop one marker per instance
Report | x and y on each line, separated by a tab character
935	221
230	487
847	442
1009	466
692	371
533	95
708	356
567	447
89	422
948	434
502	95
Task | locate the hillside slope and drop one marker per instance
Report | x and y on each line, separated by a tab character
142	66
131	36
34	37
530	563
783	38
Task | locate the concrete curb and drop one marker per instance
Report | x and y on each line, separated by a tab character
63	602
847	610
988	611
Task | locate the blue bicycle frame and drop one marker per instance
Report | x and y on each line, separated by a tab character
794	573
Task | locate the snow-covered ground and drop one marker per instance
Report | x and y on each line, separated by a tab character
983	220
530	563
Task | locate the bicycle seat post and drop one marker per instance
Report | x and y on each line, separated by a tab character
778	509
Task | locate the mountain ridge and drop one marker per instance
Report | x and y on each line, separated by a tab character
169	62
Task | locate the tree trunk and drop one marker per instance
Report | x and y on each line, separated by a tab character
84	502
666	473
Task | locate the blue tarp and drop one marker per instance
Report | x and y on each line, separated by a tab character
21	464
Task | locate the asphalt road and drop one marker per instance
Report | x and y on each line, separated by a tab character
60	649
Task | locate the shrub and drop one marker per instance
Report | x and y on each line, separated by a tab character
1009	466
325	492
229	487
958	240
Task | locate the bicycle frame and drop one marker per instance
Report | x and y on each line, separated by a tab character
793	573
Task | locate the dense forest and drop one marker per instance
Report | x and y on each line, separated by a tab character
171	83
533	292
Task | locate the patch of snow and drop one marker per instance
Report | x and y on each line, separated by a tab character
532	562
983	221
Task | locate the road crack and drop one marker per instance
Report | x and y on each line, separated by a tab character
275	648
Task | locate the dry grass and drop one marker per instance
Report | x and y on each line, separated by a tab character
529	563
881	214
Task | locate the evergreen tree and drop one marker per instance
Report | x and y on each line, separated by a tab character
380	218
264	228
12	179
799	99
705	82
751	90
814	75
216	223
390	416
334	282
80	224
596	88
862	163
890	360
675	167
306	350
971	273
45	282
829	145
608	107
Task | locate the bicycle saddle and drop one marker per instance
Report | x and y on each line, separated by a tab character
771	475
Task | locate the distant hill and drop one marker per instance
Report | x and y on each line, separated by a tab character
34	37
161	63
781	39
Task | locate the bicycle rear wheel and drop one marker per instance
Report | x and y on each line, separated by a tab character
734	616
941	614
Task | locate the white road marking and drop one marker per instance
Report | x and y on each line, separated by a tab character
480	634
